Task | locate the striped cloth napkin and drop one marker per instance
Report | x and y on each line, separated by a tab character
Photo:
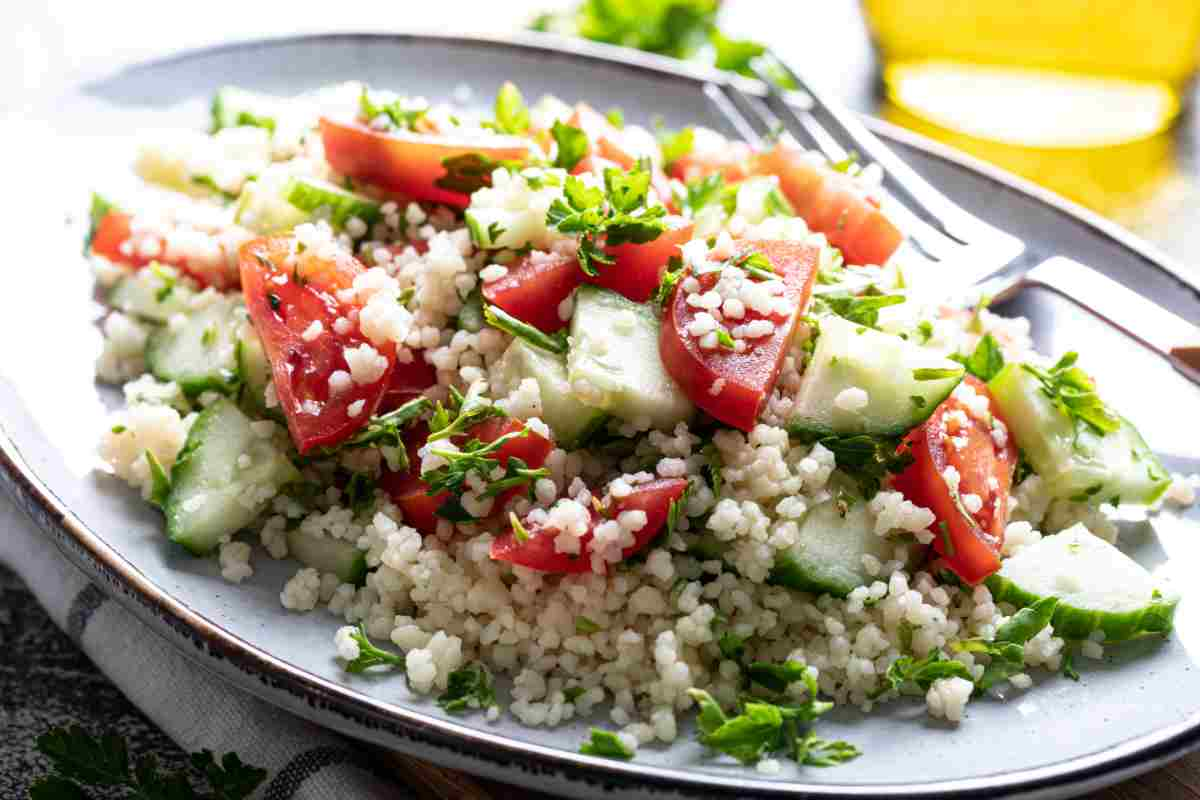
197	709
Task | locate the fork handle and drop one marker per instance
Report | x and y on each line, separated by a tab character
1172	337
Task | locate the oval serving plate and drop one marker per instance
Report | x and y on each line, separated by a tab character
1138	708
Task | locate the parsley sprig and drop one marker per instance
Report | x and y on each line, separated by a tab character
398	116
468	688
865	458
1074	394
616	214
386	432
863	310
369	655
80	760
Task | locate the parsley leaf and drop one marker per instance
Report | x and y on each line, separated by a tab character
1074	394
572	145
677	28
935	373
606	744
385	432
706	191
398	116
812	751
585	626
676	144
467	411
470	172
862	310
618	214
369	655
512	115
865	458
499	318
986	361
923	672
160	480
468	688
1007	648
672	275
79	759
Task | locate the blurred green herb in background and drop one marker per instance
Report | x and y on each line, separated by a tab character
685	29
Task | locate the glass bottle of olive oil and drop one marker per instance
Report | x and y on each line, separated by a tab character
1074	94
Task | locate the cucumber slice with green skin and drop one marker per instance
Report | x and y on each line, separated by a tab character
316	197
572	421
153	294
1098	587
199	351
828	555
254	374
234	107
326	554
1074	462
886	367
614	364
214	490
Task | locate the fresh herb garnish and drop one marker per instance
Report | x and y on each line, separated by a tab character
468	688
725	339
573	693
615	117
512	115
923	672
80	761
585	626
386	432
986	361
1007	648
706	191
606	744
935	373
398	116
861	310
168	279
160	480
369	655
670	279
867	459
1074	394
572	145
360	493
470	172
499	318
615	215
676	144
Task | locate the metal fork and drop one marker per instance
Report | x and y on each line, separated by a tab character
974	253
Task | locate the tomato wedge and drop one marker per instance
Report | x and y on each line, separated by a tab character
409	163
286	294
639	267
969	540
410	493
833	204
538	551
729	385
534	287
115	240
408	381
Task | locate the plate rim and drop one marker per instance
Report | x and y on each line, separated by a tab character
252	669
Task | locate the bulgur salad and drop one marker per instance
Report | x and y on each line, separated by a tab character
646	421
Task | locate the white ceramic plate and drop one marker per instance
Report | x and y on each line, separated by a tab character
1137	708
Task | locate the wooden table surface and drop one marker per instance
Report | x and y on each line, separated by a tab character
50	45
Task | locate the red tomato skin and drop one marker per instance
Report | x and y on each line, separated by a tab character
114	230
301	369
410	493
407	163
537	552
976	539
749	376
833	204
534	287
408	381
639	267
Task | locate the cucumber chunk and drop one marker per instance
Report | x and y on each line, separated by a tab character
828	555
199	351
1075	462
571	420
326	554
214	490
1098	587
254	374
153	294
886	367
614	363
321	198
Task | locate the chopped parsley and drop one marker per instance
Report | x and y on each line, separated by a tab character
397	115
615	117
676	144
512	115
615	215
1074	394
79	761
359	492
986	361
499	318
572	145
922	672
369	655
725	339
386	432
606	744
862	310
585	627
670	279
706	191
1007	648
468	688
573	693
470	172
867	459
935	373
